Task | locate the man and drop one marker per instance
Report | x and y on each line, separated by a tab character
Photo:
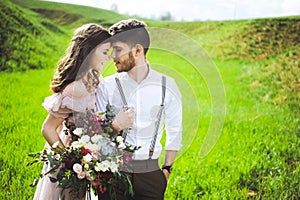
156	102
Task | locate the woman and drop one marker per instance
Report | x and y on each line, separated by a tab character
74	85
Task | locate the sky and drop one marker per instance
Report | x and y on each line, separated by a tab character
191	10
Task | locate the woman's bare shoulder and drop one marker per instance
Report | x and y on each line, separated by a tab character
76	89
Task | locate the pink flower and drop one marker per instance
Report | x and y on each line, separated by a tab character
127	158
81	175
94	155
57	156
77	168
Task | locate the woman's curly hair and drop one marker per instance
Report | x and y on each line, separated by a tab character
75	64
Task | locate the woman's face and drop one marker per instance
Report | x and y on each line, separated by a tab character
100	56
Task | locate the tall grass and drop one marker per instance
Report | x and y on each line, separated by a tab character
255	155
20	123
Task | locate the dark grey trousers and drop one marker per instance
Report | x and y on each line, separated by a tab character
146	186
148	183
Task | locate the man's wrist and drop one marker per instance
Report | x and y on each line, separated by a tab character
115	126
168	168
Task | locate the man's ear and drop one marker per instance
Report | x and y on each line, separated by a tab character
139	50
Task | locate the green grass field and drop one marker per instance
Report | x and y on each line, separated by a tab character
255	156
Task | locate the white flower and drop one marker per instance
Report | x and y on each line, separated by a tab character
85	139
77	168
121	146
102	166
106	165
119	139
98	167
78	132
113	167
92	147
87	158
96	138
76	144
81	175
106	149
86	166
89	176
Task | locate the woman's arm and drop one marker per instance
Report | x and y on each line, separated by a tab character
49	129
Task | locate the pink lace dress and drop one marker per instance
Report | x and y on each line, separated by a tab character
63	105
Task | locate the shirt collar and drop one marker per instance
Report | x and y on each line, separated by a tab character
150	72
149	75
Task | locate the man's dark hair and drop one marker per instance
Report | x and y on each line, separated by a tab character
131	32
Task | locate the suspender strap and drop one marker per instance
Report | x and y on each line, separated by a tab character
159	114
157	123
163	91
125	107
121	91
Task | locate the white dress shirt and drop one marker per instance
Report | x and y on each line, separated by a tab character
146	98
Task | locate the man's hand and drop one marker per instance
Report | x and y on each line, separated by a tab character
166	173
124	119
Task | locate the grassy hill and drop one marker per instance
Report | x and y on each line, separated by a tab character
257	154
27	40
273	45
33	30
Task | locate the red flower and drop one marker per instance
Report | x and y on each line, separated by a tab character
104	175
102	189
84	151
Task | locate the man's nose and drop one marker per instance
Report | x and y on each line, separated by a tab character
107	57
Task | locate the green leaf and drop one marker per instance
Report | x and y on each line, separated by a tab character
32	162
51	160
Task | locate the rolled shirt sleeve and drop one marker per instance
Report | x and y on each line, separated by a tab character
173	116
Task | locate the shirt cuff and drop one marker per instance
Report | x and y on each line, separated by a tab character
173	147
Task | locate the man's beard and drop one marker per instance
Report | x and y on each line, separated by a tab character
127	64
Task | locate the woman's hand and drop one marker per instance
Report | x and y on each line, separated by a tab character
124	119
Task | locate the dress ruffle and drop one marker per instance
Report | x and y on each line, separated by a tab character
60	105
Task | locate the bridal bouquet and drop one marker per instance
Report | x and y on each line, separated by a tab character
94	159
